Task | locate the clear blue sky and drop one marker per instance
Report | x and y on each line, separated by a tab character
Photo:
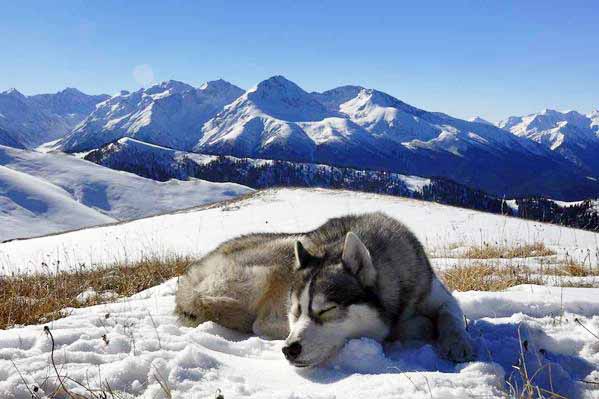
489	58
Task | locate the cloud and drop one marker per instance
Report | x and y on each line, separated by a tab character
143	74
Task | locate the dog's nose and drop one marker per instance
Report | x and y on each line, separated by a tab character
292	351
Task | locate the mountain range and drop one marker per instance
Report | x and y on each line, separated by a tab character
28	121
573	135
549	153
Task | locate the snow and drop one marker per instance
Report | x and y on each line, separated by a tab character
65	193
197	231
33	206
416	183
135	345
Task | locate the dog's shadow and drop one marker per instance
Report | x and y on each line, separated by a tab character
552	364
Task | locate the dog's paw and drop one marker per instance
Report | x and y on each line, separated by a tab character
456	346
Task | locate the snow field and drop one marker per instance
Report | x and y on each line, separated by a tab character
135	346
195	232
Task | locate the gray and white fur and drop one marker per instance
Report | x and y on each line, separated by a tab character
355	276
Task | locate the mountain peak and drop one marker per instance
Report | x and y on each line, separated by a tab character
70	90
478	119
278	83
174	86
219	85
13	93
281	98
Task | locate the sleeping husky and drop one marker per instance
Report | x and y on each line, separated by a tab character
355	276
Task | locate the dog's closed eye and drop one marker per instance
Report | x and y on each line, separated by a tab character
327	313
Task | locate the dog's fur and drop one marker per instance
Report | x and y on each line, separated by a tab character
354	276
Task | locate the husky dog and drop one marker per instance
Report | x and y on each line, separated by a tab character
355	276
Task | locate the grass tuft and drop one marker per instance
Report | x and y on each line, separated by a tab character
34	299
483	277
487	251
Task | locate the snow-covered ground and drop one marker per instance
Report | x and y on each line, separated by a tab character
46	193
442	229
136	346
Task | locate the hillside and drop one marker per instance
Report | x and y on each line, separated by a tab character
135	346
75	193
161	163
195	231
31	206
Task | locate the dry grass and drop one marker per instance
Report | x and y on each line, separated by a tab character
487	251
571	268
485	277
33	299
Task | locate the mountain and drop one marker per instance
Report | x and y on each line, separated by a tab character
34	120
573	135
170	114
351	126
277	119
68	192
161	163
7	140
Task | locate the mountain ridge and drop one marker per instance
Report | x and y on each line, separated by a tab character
348	126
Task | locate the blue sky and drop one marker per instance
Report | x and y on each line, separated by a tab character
489	58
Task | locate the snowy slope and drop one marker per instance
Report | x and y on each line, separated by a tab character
136	344
118	195
33	120
195	232
571	134
170	113
33	206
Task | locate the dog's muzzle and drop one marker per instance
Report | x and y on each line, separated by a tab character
292	351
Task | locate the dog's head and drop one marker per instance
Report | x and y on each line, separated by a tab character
332	300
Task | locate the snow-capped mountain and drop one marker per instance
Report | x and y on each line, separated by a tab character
573	135
170	114
33	120
45	193
279	120
357	127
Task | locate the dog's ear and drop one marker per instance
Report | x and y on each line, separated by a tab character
303	258
356	259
